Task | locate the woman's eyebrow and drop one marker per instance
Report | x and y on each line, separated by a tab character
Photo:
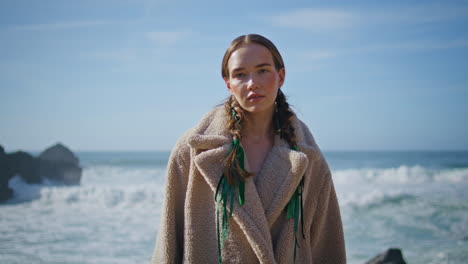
258	66
238	69
262	65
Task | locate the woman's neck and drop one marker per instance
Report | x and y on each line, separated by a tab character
258	127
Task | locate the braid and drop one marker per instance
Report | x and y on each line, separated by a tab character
232	169
283	118
295	208
236	115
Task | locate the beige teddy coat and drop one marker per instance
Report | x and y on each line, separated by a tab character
259	231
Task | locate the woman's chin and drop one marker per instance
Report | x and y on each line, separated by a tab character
258	109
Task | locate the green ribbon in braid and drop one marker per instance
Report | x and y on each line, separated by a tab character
228	192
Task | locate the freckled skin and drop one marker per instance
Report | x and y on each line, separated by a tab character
257	75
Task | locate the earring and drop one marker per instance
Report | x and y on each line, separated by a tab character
278	127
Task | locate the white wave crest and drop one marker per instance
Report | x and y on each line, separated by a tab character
400	175
97	175
374	198
103	196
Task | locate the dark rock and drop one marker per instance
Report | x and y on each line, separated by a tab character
56	163
20	163
5	193
59	164
5	176
25	165
391	256
59	154
63	173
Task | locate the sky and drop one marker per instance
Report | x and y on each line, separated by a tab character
121	75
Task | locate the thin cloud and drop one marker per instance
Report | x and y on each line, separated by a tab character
418	14
167	38
60	25
123	55
319	55
326	20
315	19
412	46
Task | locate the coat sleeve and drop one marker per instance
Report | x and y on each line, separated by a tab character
327	236
170	237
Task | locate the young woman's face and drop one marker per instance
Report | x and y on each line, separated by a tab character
253	79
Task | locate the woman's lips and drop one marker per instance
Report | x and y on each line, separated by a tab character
254	97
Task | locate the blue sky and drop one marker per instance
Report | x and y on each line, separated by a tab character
134	75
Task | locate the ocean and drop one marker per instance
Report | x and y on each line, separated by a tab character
416	201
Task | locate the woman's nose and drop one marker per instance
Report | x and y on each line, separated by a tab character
252	83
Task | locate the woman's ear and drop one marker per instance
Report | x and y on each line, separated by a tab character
282	75
228	85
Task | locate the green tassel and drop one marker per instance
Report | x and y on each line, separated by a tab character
224	195
241	190
223	191
293	211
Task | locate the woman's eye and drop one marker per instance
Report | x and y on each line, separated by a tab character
239	75
263	71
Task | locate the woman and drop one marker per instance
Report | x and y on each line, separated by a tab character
248	184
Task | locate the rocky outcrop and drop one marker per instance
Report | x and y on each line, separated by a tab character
56	163
24	164
59	154
391	256
5	175
59	164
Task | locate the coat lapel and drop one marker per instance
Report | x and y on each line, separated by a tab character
250	217
283	170
279	178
